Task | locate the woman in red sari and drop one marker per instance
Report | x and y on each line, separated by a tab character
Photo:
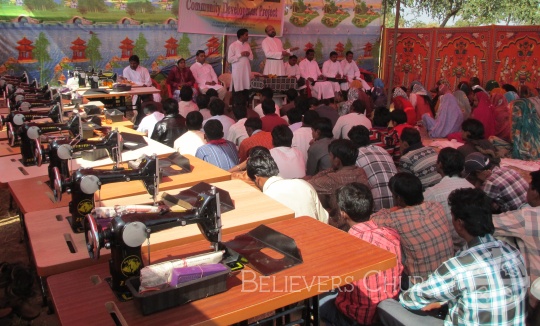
484	112
401	102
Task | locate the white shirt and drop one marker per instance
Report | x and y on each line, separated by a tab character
297	195
140	76
147	123
321	89
351	71
259	110
309	69
332	69
273	49
225	121
301	138
345	123
205	114
189	142
295	126
292	71
184	107
240	65
290	162
237	132
204	73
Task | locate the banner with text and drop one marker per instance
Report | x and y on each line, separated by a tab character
228	16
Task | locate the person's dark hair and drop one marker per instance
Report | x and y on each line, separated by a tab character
509	88
367	77
170	106
282	136
292	94
308	51
358	106
268	106
356	200
313	101
186	93
345	150
398	116
262	165
473	207
408	187
202	101
294	115
253	123
293	57
359	135
240	111
474	81
474	127
211	93
310	116
199	52
194	120
524	91
381	117
258	150
411	136
535	181
213	129
149	107
452	161
179	60
216	107
267	92
464	87
324	126
239	98
333	53
348	52
134	58
478	90
241	32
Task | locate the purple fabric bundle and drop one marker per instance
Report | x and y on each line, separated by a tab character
185	274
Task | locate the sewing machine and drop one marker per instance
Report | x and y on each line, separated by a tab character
125	234
83	183
15	119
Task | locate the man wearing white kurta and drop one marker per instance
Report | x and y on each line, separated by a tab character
205	76
240	57
332	69
291	68
309	69
274	52
350	70
140	76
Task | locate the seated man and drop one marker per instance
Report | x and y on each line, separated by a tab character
418	159
206	76
356	117
303	136
172	126
217	151
357	302
506	188
237	132
318	158
141	77
484	284
189	142
149	121
450	163
332	69
270	118
291	67
309	69
292	94
265	94
217	110
351	72
426	240
377	164
343	156
290	161
296	194
179	76
186	105
256	137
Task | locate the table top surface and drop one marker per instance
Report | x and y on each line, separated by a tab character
135	90
33	194
48	231
331	258
13	169
6	150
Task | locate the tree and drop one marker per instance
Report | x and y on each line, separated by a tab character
253	44
92	50
40	4
183	46
92	6
142	7
140	47
174	9
41	54
348	45
318	50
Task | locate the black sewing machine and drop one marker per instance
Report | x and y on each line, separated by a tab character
29	134
126	233
83	183
15	119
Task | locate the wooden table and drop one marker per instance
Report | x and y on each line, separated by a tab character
3	134
331	257
135	90
6	150
33	194
12	169
48	231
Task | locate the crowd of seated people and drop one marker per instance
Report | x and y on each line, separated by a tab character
464	227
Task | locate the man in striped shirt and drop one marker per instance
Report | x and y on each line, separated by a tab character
217	151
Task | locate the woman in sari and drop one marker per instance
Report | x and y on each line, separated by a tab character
463	102
420	101
345	107
401	102
378	94
484	112
503	126
526	128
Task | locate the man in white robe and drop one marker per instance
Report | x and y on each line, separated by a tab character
274	53
291	68
350	70
332	69
240	57
205	76
309	69
140	77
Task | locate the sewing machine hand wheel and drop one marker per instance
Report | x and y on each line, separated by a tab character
57	185
65	152
18	119
10	134
38	152
92	237
33	132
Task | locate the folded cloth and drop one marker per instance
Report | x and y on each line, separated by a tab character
186	274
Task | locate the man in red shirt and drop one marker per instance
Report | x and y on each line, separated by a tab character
257	137
270	119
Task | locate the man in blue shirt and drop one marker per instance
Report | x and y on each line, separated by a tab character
217	151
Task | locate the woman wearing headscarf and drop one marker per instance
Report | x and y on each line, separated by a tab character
401	102
345	107
378	94
511	96
420	101
463	102
526	128
449	117
503	124
484	112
